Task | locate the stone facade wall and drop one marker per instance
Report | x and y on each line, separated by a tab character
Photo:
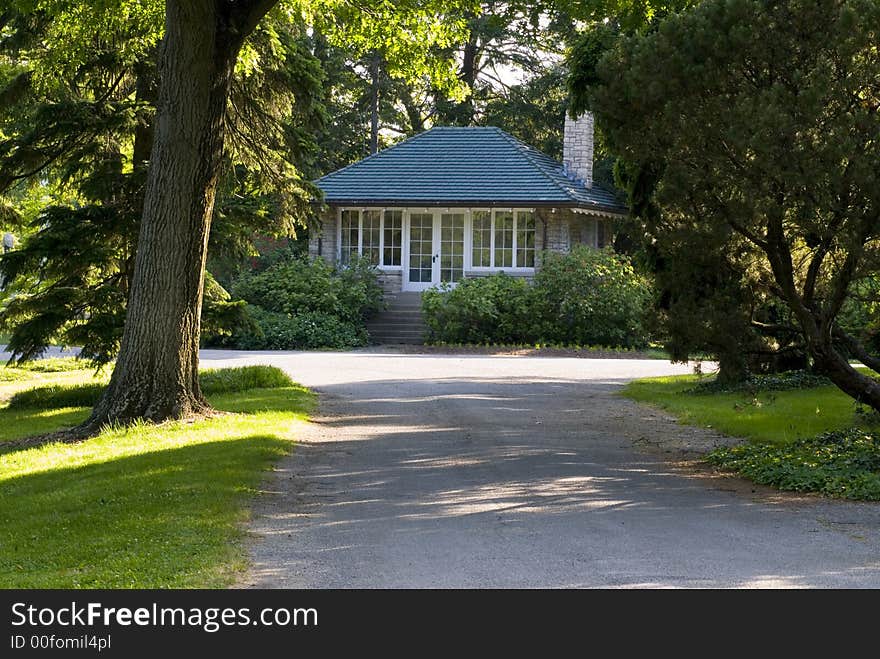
391	281
577	148
322	238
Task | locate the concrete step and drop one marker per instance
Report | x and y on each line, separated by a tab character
390	340
389	328
404	301
397	318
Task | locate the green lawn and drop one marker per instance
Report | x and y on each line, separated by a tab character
143	507
803	440
768	416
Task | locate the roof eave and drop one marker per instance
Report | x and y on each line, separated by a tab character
458	203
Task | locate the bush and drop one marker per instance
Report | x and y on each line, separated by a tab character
591	297
487	309
302	304
212	381
586	297
303	331
299	285
841	464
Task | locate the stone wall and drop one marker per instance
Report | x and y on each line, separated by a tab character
391	281
577	148
323	236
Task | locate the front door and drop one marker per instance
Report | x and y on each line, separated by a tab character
436	249
422	262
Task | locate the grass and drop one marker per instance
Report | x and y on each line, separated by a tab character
148	506
86	394
806	439
776	417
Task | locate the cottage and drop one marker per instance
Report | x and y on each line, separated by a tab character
463	202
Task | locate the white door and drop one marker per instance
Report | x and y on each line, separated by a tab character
436	249
422	266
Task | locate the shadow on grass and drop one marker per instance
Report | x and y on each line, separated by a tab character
17	424
153	520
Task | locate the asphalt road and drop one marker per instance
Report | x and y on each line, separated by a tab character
465	471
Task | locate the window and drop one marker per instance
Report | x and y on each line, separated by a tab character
350	223
451	247
374	234
393	238
525	239
481	256
371	222
503	239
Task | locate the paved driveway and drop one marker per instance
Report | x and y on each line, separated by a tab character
448	471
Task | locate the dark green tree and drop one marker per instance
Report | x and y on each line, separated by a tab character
763	118
91	136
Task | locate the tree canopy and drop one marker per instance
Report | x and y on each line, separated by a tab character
757	124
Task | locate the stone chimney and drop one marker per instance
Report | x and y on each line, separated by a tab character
577	148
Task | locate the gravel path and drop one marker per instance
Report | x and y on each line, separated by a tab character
479	471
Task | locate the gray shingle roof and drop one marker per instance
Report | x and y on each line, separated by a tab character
461	166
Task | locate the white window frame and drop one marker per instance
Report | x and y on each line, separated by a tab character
492	267
360	211
436	211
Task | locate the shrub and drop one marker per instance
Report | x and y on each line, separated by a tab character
586	297
309	330
299	285
486	309
302	304
841	464
212	381
591	297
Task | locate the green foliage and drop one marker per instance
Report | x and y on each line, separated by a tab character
302	304
212	381
843	464
592	297
750	127
495	309
754	383
586	297
301	284
307	330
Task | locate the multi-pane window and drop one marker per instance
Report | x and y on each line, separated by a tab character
481	256
374	234
393	238
525	239
350	238
451	247
503	239
371	227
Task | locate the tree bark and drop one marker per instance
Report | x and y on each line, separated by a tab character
156	373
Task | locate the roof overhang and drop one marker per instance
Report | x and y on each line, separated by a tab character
478	203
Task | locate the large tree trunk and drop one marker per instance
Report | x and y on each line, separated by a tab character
156	374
